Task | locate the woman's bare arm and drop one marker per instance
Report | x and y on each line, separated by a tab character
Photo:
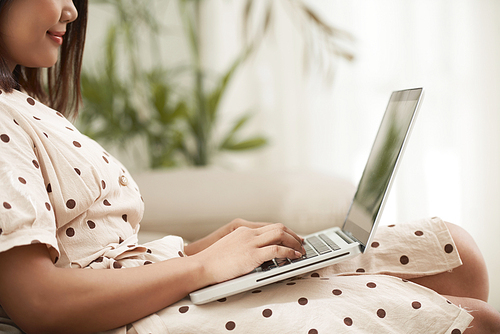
40	297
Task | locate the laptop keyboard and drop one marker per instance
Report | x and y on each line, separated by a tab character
314	246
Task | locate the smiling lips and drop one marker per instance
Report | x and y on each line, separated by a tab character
56	36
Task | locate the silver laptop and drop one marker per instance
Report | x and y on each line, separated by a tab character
334	245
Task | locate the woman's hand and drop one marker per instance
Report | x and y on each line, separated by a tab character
247	247
210	239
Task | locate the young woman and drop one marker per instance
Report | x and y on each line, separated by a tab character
67	207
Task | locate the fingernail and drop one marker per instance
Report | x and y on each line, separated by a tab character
298	254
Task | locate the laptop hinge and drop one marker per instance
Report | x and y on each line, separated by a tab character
349	238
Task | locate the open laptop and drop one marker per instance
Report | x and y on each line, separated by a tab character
334	245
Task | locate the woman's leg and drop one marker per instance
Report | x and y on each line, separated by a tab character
469	280
467	286
486	318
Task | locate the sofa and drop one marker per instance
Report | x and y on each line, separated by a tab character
193	202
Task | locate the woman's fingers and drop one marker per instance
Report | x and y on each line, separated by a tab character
277	234
278	252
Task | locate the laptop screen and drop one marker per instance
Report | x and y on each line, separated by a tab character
368	202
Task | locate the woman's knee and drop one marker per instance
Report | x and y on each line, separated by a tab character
473	272
486	318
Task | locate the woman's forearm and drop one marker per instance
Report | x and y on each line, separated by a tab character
40	297
51	299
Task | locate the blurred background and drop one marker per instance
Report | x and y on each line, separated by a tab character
302	85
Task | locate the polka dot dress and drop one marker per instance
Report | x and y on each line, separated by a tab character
62	189
367	294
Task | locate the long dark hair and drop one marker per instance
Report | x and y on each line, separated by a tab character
59	85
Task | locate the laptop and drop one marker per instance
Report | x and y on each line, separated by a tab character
336	244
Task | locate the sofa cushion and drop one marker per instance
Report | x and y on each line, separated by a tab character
193	202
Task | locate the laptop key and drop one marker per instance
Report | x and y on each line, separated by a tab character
282	262
329	241
318	245
268	265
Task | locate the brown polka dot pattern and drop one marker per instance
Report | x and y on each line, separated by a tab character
230	325
416	305
106	202
256	291
371	285
47	205
456	331
419	233
78	171
37	118
49	188
30	101
91	224
314	275
70	232
7	205
71	204
303	301
313	331
267	313
183	309
35	163
125	217
337	292
103	184
381	313
147	262
448	248
4	138
360	270
22	180
222	300
117	265
105	159
348	321
375	244
404	260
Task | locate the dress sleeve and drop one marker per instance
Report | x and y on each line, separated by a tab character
26	213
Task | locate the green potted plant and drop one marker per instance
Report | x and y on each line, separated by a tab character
145	104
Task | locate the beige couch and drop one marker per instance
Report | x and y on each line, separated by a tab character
193	202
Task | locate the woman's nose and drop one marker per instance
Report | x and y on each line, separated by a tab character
69	12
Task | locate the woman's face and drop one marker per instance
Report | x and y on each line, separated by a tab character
31	31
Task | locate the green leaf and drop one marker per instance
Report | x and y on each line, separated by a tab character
229	138
248	144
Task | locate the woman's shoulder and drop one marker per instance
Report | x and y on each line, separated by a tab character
21	107
20	101
13	98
